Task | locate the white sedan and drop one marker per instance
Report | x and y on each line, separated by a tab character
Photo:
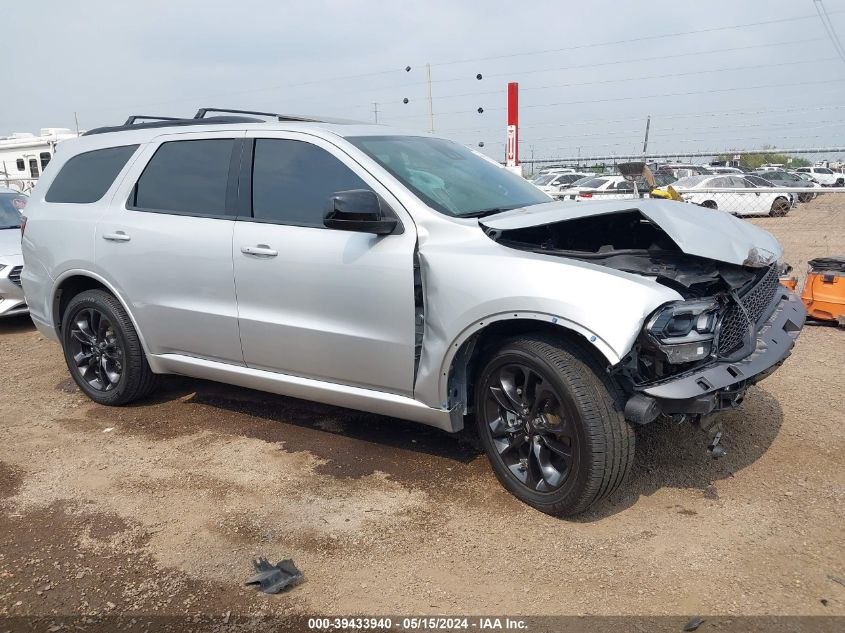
733	194
553	183
605	187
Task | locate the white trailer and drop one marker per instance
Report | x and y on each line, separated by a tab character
23	156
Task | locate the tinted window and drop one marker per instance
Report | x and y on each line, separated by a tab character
45	158
292	182
594	183
11	206
86	177
20	164
186	177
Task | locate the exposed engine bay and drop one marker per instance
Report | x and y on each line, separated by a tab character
628	241
679	336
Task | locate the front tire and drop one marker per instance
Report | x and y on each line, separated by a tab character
102	350
552	425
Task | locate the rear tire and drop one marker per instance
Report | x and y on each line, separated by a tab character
551	423
710	204
780	207
102	350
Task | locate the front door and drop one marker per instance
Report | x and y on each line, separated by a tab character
315	302
166	245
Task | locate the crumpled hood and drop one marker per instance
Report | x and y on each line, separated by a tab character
696	230
10	242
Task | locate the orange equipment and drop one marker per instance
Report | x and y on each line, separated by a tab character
824	289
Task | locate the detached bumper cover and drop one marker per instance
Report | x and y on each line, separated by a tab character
722	385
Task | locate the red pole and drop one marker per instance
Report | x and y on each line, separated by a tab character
512	151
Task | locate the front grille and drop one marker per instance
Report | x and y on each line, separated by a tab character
15	275
734	327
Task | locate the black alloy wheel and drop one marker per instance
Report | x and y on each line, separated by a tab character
550	420
96	349
103	351
532	436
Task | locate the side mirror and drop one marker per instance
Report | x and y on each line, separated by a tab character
357	210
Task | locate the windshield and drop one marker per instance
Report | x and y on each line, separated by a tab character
543	180
593	183
823	170
449	177
691	181
11	208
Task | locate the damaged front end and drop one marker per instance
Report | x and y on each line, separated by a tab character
733	325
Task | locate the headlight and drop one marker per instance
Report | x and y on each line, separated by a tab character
684	330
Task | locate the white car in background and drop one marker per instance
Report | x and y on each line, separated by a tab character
824	176
605	187
12	204
555	182
705	191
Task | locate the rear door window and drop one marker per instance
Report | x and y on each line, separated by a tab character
186	178
86	177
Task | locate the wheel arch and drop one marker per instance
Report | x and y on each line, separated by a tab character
73	282
457	373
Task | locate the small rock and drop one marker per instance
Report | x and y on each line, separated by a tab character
693	624
108	430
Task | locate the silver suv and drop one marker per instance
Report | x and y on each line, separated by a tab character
404	275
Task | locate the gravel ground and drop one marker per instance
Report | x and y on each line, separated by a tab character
160	507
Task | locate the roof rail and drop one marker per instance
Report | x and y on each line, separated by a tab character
135	117
280	117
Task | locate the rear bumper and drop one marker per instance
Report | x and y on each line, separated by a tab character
723	384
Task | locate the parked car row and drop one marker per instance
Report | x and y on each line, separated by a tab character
699	184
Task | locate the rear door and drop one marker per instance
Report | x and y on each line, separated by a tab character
166	244
316	302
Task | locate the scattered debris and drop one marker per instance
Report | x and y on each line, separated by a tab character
837	579
824	602
274	578
693	624
108	429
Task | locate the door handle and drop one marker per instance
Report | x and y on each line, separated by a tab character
117	236
259	250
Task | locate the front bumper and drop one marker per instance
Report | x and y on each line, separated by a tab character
12	300
722	385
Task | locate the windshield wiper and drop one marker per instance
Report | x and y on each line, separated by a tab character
491	211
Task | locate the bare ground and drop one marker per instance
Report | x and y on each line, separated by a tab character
159	508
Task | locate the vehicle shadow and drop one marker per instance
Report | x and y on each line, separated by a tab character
16	325
674	456
355	444
351	443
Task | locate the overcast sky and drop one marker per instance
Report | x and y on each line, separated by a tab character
581	91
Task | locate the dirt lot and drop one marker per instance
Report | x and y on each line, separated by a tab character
159	508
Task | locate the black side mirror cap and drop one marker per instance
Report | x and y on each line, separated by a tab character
357	210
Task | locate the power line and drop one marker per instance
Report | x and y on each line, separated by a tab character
678	115
644	38
644	77
828	27
658	96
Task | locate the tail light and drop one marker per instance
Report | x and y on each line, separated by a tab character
586	195
23	224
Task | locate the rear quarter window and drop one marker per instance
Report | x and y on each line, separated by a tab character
86	177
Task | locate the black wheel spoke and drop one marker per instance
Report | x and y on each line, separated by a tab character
530	435
95	349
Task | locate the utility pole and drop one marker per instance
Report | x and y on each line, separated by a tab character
375	111
430	103
76	118
645	142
